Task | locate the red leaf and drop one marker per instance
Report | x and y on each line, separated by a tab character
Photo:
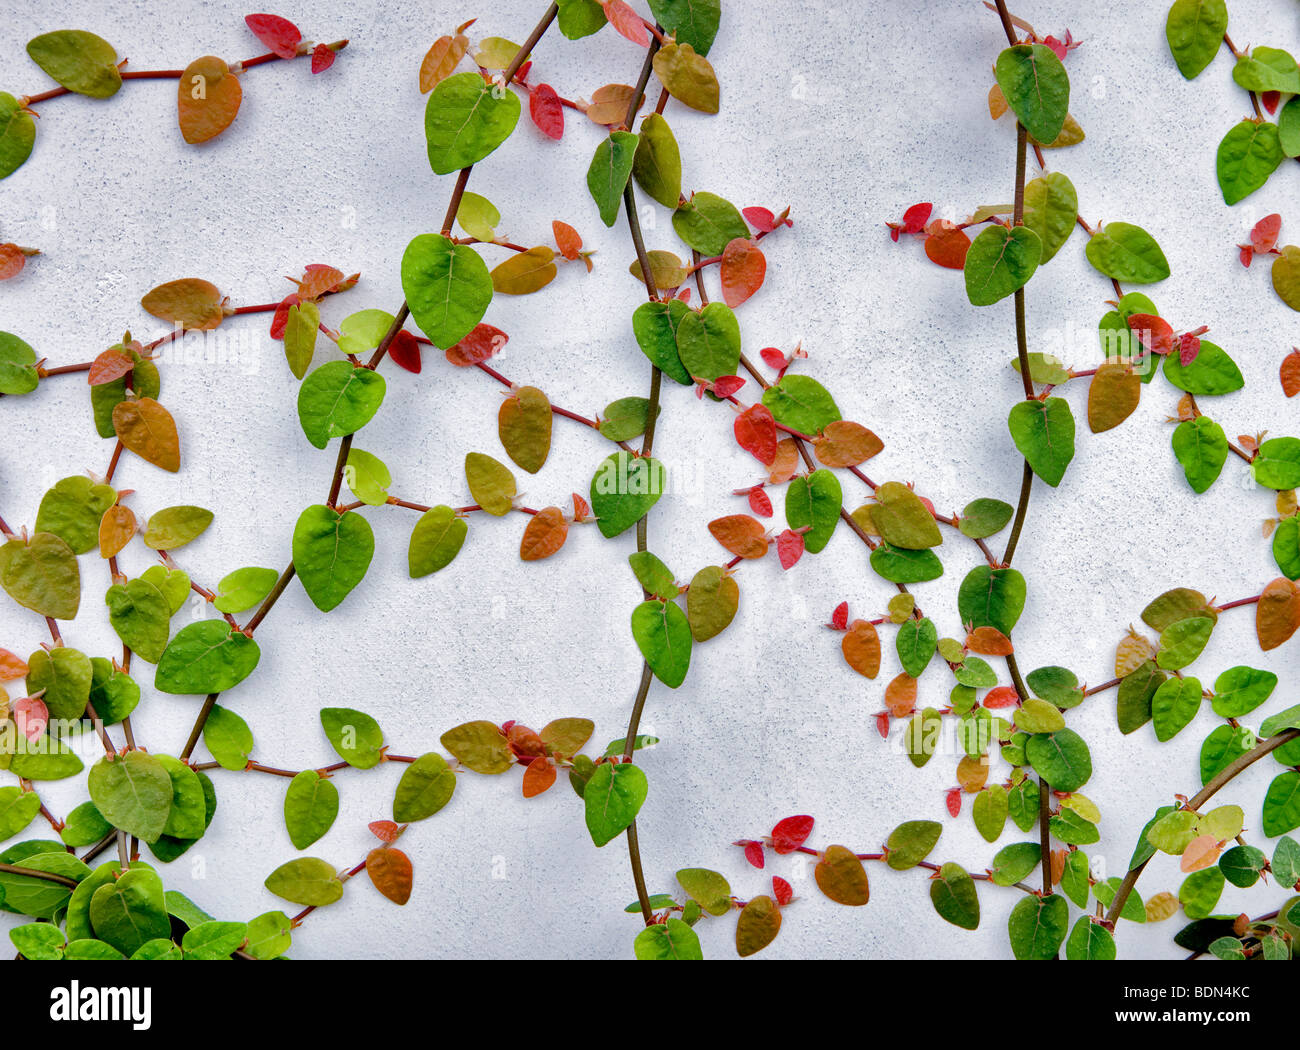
915	218
567	239
760	504
754	854
1245	253
482	343
882	725
581	509
390	870
1290	373
111	364
725	386
1264	234
840	617
322	57
547	111
947	247
791	833
281	317
626	21
744	266
384	830
31	716
953	801
1155	333
405	351
279	34
755	430
12	261
761	219
789	548
782	890
1270	100
1188	347
773	358
319	278
1002	696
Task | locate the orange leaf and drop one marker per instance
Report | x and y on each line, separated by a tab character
900	695
207	98
441	59
12	261
743	268
567	239
1200	853
1058	865
609	104
861	648
989	641
626	21
190	302
1277	615
1290	373
545	534
973	773
391	872
997	102
1001	696
742	535
1132	652
846	444
147	429
786	463
525	741
525	272
538	777
112	364
1113	395
841	876
947	246
116	528
318	279
11	666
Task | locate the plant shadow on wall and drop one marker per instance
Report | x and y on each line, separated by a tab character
1020	760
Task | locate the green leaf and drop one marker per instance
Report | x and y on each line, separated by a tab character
693	22
447	286
1069	827
140	615
172	584
1194	30
17	133
1282	804
78	60
435	541
952	892
999	262
38	941
1044	433
1036	87
84	826
206	657
1051	208
670	940
1061	758
1286	547
43	760
42	575
228	738
107	396
1267	69
300	328
624	489
133	792
465	119
1288	128
269	936
1056	685
18	373
902	519
982	518
1239	690
213	940
367	477
653	575
711	602
708	342
1038	716
663	635
611	166
72	510
65	675
331	553
1242	865
308	880
1174	704
425	787
990	812
814	501
1013	863
242	589
1200	892
579	18
1037	926
310	806
655	327
1222	747
478	217
1201	448
1247	156
911	842
1075	878
708	223
657	164
17	809
338	399
709	888
903	566
915	643
186	818
1286	861
1090	940
1274	724
354	735
1183	641
491	484
1277	464
1212	372
130	911
801	403
1128	253
992	598
612	798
